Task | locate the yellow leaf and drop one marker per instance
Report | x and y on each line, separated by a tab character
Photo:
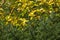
24	5
1	13
23	21
32	13
6	23
1	9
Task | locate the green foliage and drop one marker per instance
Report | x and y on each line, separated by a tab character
29	20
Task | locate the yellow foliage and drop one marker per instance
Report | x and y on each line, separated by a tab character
23	21
24	5
50	2
1	9
32	13
30	2
18	12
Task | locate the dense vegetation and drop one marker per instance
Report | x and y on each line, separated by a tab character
29	20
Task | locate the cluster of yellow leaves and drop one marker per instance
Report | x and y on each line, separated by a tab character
23	21
15	21
28	5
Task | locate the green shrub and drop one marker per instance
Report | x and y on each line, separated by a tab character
29	20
